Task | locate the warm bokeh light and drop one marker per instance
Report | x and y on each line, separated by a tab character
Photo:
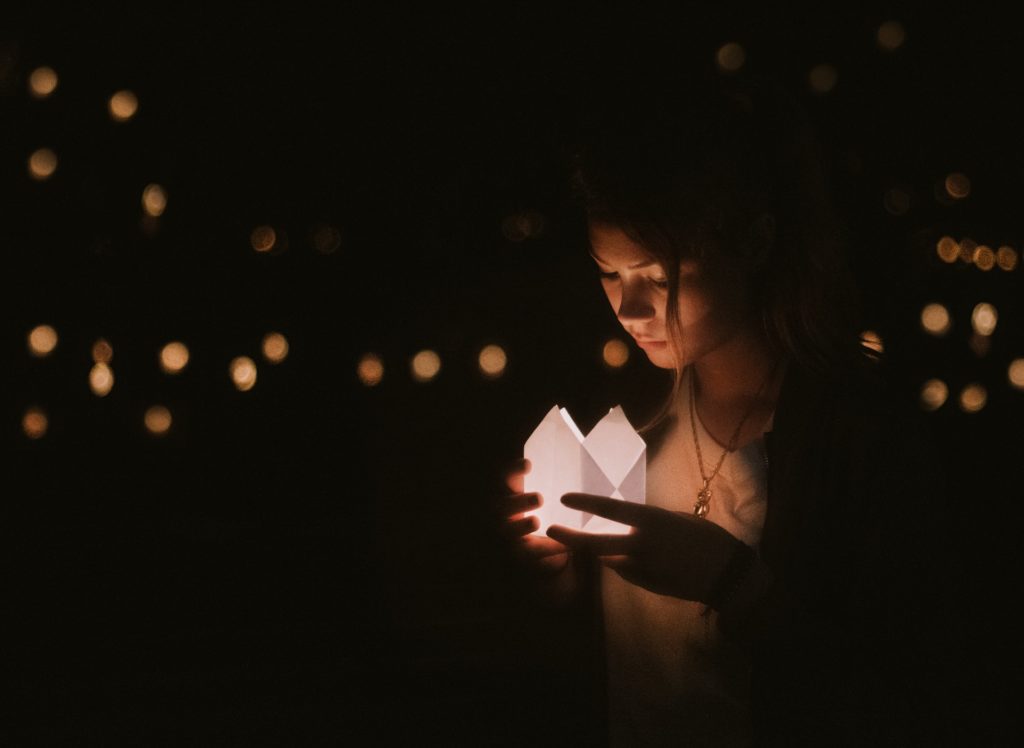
1015	373
326	239
101	379
873	340
891	35
730	57
947	249
822	78
275	347
154	200
615	353
984	318
34	423
370	369
520	226
980	344
157	420
973	398
123	105
425	365
42	163
263	238
958	186
174	357
933	394
984	257
492	361
967	247
42	339
1006	257
42	82
896	201
102	352
935	319
243	372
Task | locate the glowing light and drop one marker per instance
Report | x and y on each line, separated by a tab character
521	226
243	372
123	105
101	379
984	318
492	361
615	353
822	78
1006	257
873	340
42	82
967	247
1015	373
933	394
42	339
157	420
935	319
263	238
42	163
973	398
370	369
102	352
154	200
896	201
174	357
958	186
730	57
326	239
947	249
425	366
980	344
275	347
35	423
984	257
891	35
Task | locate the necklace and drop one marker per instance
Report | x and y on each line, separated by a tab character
700	508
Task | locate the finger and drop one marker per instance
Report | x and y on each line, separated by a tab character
519	503
598	544
620	510
514	477
519	527
540	546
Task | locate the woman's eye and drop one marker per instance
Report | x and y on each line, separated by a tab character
608	276
660	282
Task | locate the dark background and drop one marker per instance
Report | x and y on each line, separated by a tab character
316	557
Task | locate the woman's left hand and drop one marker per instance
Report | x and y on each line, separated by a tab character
666	552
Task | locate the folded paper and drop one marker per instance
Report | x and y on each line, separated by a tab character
609	461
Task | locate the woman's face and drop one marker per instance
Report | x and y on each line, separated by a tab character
711	310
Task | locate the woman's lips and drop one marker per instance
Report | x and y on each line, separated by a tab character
651	343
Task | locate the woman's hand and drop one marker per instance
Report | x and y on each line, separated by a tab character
538	552
666	552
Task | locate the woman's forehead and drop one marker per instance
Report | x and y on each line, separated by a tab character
613	246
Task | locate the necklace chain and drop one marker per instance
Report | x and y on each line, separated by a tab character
700	508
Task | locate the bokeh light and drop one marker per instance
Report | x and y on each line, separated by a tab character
958	186
326	239
370	369
275	347
980	344
890	36
730	57
615	353
967	247
174	357
933	394
263	238
243	373
35	423
896	201
157	420
973	398
42	339
492	361
984	257
42	82
123	105
822	78
947	249
1015	373
984	318
101	379
42	164
102	351
154	200
935	319
425	365
873	340
1006	257
521	226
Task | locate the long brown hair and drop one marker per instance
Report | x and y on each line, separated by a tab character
685	172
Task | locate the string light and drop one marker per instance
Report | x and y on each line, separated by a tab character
896	201
122	106
243	373
492	361
933	394
958	186
947	249
967	247
425	365
822	78
42	164
935	319
101	379
615	353
275	347
326	239
263	238
370	369
730	57
872	340
1015	373
174	357
157	420
154	200
1006	257
984	318
984	257
42	339
890	36
35	423
42	82
102	352
973	398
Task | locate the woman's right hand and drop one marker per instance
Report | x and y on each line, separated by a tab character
538	552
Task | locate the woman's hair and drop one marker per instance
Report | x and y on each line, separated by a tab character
684	170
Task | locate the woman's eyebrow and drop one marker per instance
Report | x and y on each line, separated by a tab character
635	266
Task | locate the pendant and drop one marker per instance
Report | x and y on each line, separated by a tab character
703	499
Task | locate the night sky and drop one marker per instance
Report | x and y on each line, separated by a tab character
315	556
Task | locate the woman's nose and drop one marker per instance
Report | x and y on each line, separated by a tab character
635	304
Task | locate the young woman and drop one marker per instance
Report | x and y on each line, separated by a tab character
777	582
